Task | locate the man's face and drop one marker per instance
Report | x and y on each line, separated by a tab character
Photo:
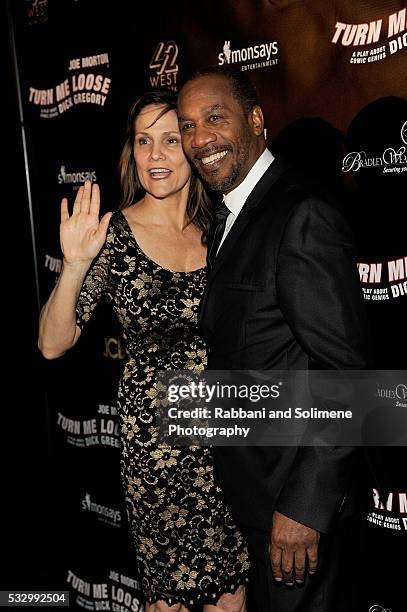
219	140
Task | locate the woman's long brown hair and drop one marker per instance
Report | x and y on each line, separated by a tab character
199	206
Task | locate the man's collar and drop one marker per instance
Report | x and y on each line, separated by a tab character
236	198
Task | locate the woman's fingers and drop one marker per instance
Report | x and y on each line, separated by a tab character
64	210
95	200
103	225
87	199
77	203
86	194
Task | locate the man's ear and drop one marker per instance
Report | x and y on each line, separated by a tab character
256	120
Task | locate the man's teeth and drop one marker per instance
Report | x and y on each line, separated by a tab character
213	158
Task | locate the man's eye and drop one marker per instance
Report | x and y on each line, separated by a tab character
214	118
187	126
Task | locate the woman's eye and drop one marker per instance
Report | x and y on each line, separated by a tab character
172	140
142	141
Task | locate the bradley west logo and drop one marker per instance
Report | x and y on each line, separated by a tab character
392	160
164	64
398	393
258	56
106	514
404	132
76	179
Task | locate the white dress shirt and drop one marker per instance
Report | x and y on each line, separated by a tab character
235	199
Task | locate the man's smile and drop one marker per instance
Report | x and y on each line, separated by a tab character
211	159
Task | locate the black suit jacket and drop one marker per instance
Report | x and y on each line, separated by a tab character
284	294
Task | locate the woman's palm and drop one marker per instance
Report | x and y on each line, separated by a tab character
82	234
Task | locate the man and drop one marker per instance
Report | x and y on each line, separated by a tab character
282	293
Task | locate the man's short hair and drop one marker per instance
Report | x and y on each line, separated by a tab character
242	88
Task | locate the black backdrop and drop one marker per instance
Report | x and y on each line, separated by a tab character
330	91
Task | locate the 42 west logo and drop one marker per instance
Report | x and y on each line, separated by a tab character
164	64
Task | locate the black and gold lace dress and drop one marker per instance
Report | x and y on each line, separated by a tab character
188	547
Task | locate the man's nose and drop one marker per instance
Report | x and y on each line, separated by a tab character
202	137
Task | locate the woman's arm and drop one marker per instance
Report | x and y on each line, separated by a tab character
82	236
58	330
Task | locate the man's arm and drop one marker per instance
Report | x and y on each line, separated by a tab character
320	297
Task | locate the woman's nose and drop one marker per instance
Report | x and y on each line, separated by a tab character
157	152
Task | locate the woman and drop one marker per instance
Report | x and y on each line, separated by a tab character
148	259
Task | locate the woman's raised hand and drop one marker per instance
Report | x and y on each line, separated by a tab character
82	234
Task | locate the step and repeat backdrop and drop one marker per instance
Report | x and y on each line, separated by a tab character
332	80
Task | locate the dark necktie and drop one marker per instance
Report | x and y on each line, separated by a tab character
220	221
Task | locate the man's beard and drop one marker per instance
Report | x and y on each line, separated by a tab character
226	183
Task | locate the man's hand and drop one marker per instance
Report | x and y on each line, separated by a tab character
291	546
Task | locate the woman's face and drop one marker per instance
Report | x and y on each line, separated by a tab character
161	165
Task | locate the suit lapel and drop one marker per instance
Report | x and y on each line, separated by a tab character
255	198
257	195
